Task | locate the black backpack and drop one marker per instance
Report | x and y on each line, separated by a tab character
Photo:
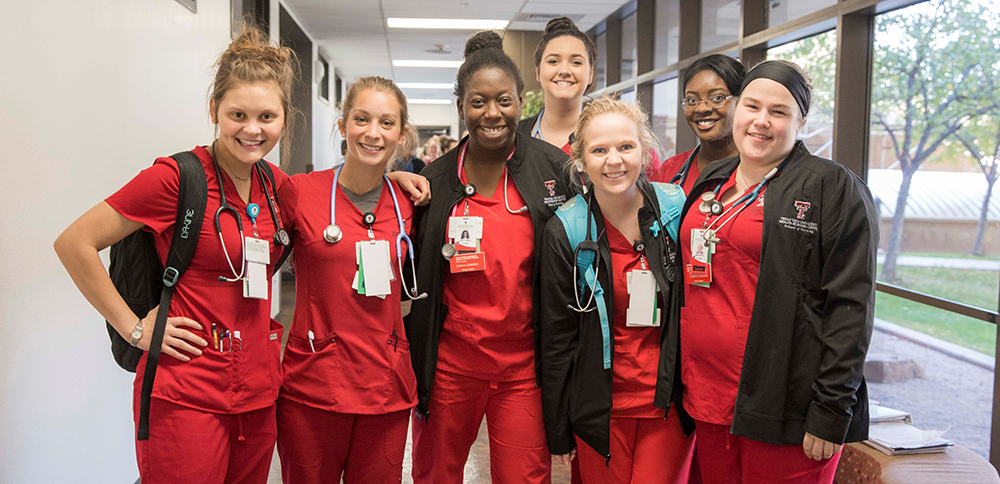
143	282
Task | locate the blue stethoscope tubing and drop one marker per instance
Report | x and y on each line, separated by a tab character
402	237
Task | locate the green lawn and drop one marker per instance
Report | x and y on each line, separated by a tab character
976	288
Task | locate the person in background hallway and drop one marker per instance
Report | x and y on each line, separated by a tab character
447	143
617	410
779	250
212	408
710	85
474	339
406	158
431	150
347	362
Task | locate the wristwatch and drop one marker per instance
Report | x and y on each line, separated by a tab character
136	333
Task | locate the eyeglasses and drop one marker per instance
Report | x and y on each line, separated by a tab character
716	101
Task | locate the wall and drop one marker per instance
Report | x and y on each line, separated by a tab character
435	115
324	113
92	93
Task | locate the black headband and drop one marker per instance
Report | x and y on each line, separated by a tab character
785	75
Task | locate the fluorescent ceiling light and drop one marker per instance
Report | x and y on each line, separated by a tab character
446	23
427	63
425	85
428	101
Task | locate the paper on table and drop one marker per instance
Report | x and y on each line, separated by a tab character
906	436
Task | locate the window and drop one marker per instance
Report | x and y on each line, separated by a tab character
781	11
667	32
324	83
338	88
817	56
930	186
664	117
720	23
628	96
601	69
629	55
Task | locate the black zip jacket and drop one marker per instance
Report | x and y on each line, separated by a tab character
525	125
537	170
576	389
813	311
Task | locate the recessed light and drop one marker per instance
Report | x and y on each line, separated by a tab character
428	101
427	63
446	23
425	85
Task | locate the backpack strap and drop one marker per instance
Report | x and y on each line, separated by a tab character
265	168
574	215
191	199
671	200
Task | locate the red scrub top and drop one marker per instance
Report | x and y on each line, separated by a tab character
361	363
671	166
248	377
637	350
488	331
715	320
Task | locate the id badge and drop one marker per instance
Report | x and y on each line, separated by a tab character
258	250
374	271
255	283
475	261
641	310
465	228
698	274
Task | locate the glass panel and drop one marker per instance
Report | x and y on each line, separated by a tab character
668	21
601	70
817	56
781	11
629	55
665	115
628	96
931	184
720	23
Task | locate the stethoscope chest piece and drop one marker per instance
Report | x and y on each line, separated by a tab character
448	251
331	234
709	204
281	238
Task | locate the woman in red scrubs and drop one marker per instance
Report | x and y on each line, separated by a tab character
710	85
611	397
348	384
779	250
212	407
474	340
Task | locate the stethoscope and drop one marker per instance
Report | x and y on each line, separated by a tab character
682	174
587	244
253	210
468	190
333	234
710	204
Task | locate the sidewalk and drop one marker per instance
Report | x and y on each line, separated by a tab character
921	261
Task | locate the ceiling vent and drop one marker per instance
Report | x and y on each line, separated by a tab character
544	17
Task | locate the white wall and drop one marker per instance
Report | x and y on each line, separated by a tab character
90	93
435	115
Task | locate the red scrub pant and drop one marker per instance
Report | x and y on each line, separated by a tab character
731	459
320	446
518	450
643	450
197	447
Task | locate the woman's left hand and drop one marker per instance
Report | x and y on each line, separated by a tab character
417	186
819	449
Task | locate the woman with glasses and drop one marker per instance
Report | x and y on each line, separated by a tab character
709	88
779	250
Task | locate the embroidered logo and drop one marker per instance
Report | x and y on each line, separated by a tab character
802	207
551	185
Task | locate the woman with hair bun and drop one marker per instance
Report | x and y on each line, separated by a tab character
710	86
564	66
474	340
211	411
779	250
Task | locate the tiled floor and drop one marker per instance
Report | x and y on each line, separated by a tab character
477	469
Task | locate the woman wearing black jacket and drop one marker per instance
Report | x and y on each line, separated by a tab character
609	376
474	339
779	249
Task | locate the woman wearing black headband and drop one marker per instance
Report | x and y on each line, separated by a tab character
779	252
